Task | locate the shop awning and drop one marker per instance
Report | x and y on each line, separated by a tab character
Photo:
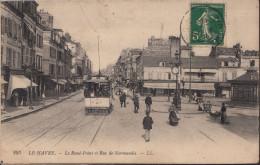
157	85
72	82
3	81
78	81
200	86
18	81
59	81
63	80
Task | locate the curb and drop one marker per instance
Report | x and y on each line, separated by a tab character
36	110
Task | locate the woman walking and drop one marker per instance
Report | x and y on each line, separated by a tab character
224	118
173	119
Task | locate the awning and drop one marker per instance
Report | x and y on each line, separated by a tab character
63	80
224	84
72	82
78	81
18	81
3	81
200	86
157	85
59	81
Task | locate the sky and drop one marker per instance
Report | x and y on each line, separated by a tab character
124	24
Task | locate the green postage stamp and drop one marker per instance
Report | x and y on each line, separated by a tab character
207	26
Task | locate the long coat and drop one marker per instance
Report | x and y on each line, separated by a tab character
148	100
147	122
136	100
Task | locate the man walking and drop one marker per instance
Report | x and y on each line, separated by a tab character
147	125
148	102
136	103
123	99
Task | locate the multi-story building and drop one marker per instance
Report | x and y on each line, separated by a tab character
54	61
20	28
11	43
229	60
250	60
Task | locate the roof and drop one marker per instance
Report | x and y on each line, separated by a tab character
226	51
251	53
153	61
199	62
229	59
250	76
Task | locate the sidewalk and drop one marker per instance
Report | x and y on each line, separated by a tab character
10	113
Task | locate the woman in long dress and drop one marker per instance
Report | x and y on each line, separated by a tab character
224	118
173	119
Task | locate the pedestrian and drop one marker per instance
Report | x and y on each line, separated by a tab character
173	119
136	103
43	98
124	99
148	102
147	125
224	118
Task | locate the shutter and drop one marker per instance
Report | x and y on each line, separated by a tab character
6	25
2	25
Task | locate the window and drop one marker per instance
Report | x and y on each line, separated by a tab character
15	30
14	59
2	25
52	69
18	60
169	76
252	62
234	75
9	56
2	54
161	63
52	52
27	55
225	63
10	28
6	25
158	76
224	76
150	75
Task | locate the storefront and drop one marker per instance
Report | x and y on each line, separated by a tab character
19	90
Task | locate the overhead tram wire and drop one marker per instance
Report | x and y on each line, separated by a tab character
86	17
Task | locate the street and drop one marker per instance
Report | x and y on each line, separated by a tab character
64	128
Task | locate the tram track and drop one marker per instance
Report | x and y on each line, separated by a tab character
52	128
97	131
34	125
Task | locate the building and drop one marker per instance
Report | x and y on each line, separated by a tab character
54	61
164	47
20	63
201	73
229	60
250	59
245	88
154	75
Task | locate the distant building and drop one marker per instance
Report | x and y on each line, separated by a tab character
250	60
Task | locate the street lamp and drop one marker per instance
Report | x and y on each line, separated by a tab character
175	69
31	74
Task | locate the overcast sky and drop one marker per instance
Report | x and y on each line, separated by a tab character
129	23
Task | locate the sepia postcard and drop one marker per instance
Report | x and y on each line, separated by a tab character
130	81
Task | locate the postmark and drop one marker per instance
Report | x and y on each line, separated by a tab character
207	24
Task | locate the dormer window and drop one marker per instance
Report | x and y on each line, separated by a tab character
161	63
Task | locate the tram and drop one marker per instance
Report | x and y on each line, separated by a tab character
98	96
